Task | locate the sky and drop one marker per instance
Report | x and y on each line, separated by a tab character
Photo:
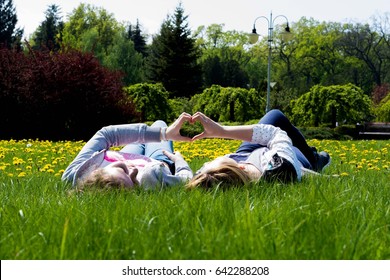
235	15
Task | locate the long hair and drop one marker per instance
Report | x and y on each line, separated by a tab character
225	176
98	179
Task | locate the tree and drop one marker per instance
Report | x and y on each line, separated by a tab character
95	30
134	34
10	36
331	104
369	46
173	57
90	29
223	56
123	56
49	32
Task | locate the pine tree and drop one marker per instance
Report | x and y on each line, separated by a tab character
9	36
48	34
134	34
173	57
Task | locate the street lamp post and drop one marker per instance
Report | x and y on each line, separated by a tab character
253	37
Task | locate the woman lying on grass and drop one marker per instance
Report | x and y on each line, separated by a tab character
146	160
273	150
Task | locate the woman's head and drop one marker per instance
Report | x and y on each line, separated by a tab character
114	175
222	171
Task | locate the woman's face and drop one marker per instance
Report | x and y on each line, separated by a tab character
122	174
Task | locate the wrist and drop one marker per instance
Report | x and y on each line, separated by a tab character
163	134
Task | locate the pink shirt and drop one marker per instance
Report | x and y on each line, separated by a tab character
138	160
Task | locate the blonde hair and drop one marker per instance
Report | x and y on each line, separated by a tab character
98	179
225	176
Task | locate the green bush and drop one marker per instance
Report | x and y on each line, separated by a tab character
318	132
383	110
229	104
331	104
151	101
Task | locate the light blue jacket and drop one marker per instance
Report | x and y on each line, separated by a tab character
92	154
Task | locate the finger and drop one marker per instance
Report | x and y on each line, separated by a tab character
168	154
182	118
199	136
202	118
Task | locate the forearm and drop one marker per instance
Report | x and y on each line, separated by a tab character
239	132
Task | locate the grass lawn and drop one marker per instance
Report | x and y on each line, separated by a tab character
344	217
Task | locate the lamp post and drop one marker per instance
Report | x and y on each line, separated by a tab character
253	37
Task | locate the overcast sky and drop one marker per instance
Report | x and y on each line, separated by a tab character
235	15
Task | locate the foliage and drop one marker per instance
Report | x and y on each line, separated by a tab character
178	106
95	30
368	45
380	92
383	110
223	56
318	133
331	104
325	218
121	55
229	104
84	19
58	95
150	100
139	40
173	57
49	33
10	36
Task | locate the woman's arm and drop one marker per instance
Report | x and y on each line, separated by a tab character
213	129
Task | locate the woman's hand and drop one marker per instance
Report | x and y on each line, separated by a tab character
174	157
211	129
173	131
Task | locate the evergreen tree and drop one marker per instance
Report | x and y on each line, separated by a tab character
9	35
134	34
48	34
173	57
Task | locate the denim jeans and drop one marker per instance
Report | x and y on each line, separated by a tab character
302	150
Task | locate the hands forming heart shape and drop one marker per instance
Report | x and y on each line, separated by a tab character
210	127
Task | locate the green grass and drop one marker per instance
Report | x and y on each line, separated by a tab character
346	217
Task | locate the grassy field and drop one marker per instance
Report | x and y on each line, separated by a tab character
344	217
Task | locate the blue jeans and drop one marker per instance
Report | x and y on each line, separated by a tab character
152	150
302	150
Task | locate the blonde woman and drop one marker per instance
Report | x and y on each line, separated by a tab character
147	158
272	150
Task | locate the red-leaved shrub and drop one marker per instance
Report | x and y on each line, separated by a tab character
58	95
